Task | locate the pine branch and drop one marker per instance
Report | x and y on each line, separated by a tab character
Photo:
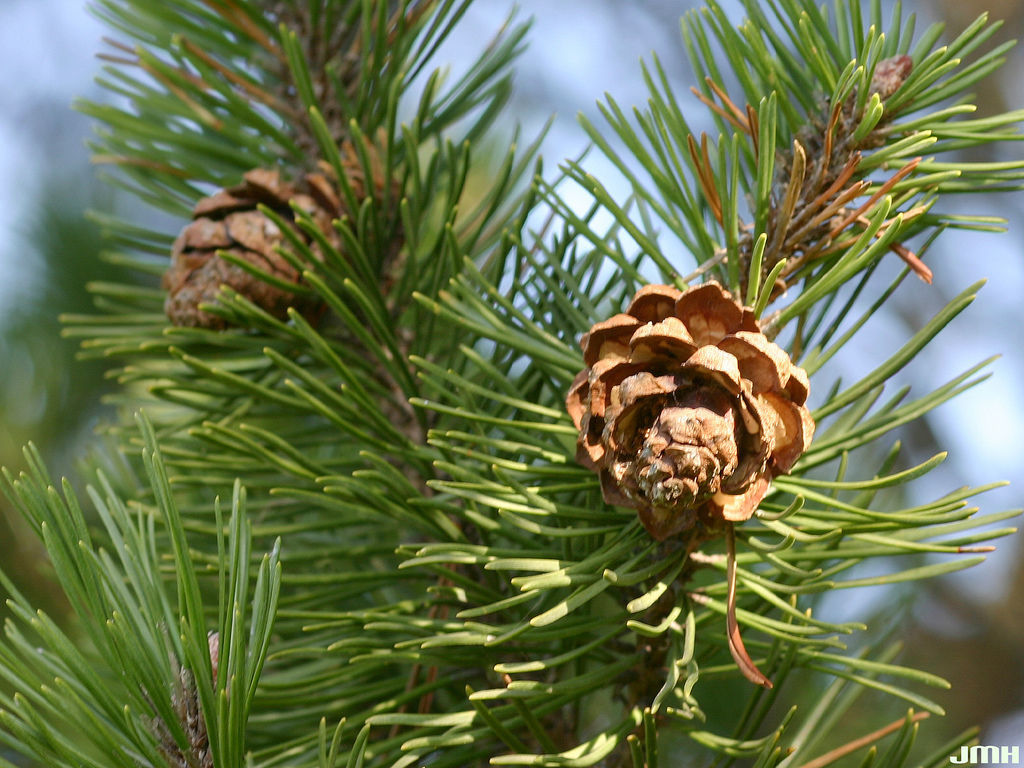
461	575
156	682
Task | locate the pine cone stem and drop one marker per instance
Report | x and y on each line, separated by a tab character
736	647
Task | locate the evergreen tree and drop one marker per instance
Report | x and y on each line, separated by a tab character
368	504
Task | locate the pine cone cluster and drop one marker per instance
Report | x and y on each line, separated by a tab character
686	410
230	221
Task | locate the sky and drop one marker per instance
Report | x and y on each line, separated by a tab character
46	60
578	50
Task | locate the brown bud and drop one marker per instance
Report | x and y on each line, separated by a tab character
685	409
889	75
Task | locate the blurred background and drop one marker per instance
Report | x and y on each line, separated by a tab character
968	627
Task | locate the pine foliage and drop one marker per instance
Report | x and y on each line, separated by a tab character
415	570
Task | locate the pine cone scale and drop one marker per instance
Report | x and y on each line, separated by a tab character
789	428
667	338
230	221
222	202
653	302
265	186
706	316
205	234
607	375
713	363
252	230
323	192
760	361
609	338
739	507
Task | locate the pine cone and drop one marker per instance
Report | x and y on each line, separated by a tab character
686	410
230	221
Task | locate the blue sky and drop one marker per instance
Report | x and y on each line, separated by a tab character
46	60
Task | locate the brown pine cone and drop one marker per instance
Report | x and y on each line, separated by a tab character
229	220
686	410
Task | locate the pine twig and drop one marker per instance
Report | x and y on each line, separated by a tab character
852	746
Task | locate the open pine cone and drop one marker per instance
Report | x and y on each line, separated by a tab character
229	220
686	410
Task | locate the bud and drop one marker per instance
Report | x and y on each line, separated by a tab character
889	75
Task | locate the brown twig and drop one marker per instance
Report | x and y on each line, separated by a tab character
736	111
124	48
825	213
882	190
818	245
789	202
707	266
732	113
248	86
427	699
231	12
755	130
803	232
910	258
139	162
203	113
844	176
826	245
830	757
702	163
826	155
